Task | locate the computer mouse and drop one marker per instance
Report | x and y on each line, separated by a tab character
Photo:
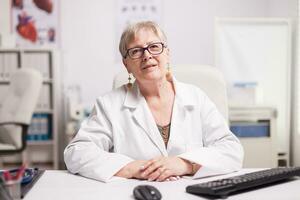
146	192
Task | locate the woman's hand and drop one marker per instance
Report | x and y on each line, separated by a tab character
132	170
166	168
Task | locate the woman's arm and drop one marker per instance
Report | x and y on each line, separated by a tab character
221	152
89	153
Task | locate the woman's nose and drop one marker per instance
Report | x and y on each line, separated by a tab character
146	55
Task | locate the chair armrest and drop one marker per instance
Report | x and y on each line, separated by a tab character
24	127
13	123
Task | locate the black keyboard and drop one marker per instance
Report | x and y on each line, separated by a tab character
223	187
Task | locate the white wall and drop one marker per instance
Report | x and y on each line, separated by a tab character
295	139
4	17
89	34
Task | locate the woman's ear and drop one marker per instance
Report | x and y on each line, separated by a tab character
168	54
125	64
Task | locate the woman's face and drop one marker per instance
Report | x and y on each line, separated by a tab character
148	67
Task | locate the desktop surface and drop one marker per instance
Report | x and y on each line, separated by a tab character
63	185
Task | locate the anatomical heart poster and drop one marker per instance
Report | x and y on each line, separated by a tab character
35	22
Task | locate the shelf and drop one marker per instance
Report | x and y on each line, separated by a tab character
25	49
43	111
44	60
4	50
48	81
38	143
258	130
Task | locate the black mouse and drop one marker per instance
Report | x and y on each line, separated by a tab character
146	192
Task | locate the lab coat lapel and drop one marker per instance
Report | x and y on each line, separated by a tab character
143	116
184	102
178	120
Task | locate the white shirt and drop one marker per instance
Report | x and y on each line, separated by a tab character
121	129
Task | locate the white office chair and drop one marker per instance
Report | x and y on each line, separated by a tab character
208	78
17	108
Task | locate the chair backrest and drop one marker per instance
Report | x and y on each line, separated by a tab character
18	104
208	78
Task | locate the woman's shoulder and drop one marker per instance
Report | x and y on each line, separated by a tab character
114	95
190	94
190	89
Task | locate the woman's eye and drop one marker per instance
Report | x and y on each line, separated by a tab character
154	46
135	51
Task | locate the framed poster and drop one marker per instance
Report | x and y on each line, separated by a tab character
35	22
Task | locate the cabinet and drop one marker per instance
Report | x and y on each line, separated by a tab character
256	129
259	50
42	135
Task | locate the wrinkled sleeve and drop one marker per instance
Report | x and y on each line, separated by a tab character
90	152
221	152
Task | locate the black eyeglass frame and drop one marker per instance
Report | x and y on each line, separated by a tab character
144	49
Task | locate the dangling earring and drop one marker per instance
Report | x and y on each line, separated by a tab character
129	84
169	74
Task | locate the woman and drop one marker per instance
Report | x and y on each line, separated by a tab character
157	128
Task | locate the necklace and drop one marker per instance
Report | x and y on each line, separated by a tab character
165	132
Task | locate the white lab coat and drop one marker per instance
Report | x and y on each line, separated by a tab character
121	129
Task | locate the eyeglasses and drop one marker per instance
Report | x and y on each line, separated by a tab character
137	52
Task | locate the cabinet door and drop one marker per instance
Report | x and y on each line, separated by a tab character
40	61
3	90
258	152
45	99
9	63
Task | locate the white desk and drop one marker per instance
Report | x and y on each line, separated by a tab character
56	185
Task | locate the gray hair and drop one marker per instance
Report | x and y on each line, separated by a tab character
131	30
